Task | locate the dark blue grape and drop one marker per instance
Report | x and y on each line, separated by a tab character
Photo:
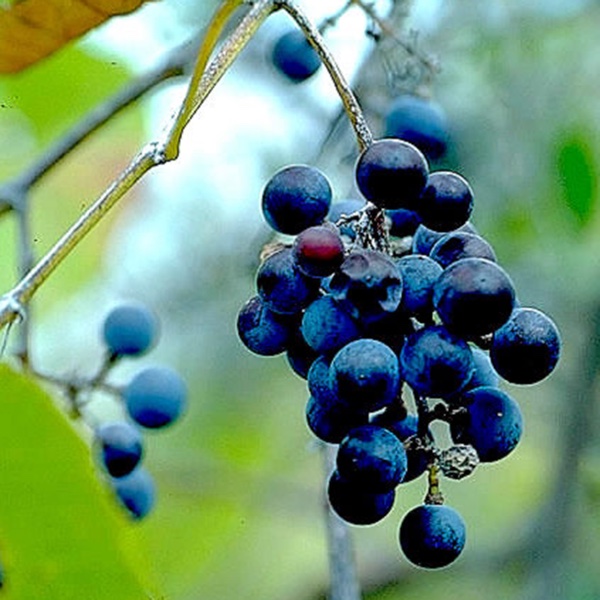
403	222
300	355
392	174
263	331
365	373
484	373
473	297
120	446
432	535
318	379
446	202
356	505
492	423
372	456
296	197
330	419
294	57
136	492
420	122
282	287
368	285
155	397
326	326
419	274
129	329
435	363
526	348
459	244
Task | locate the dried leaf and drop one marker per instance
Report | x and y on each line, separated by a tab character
32	29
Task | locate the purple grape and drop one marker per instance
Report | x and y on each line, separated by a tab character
294	57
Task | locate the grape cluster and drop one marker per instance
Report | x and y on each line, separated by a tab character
154	398
367	311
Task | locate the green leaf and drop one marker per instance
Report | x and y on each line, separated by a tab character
61	534
577	177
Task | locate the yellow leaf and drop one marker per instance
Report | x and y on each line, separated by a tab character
32	29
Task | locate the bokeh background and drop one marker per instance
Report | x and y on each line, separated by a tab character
240	480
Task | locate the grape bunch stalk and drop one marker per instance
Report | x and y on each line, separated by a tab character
395	311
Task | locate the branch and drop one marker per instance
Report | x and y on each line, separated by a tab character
12	191
342	567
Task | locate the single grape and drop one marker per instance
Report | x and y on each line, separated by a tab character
282	287
432	535
263	331
356	505
473	297
319	250
365	373
330	419
419	274
120	446
367	284
435	362
526	348
300	355
420	122
372	456
155	397
296	197
294	57
392	173
459	244
136	492
403	222
327	326
492	423
446	202
130	329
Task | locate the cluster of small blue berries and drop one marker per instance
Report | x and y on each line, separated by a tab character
386	294
154	398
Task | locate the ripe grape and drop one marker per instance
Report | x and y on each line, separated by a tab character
492	423
420	122
263	331
419	273
155	397
120	446
392	173
473	297
435	362
368	285
365	373
460	244
373	457
282	287
432	535
294	57
446	202
527	347
296	197
358	505
403	222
